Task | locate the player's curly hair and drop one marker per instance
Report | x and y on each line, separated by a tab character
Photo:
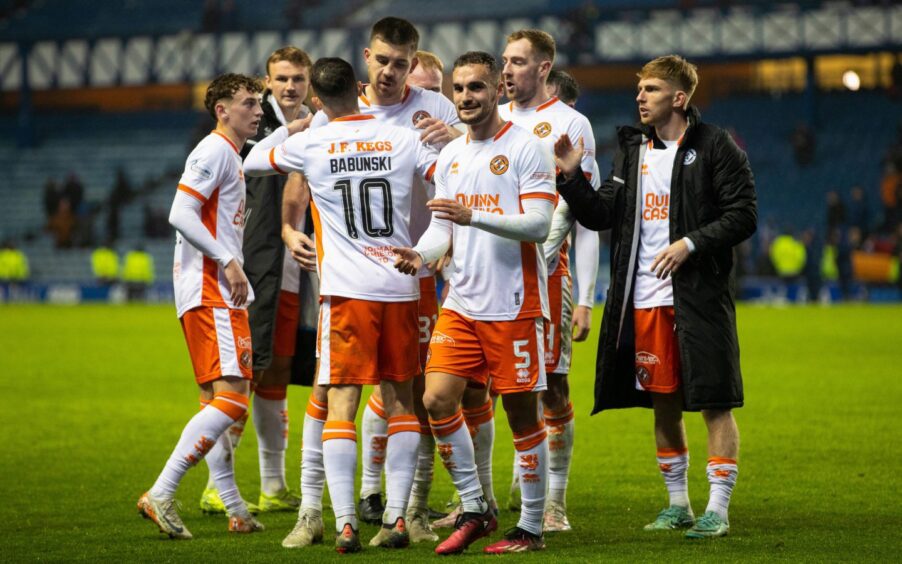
225	86
673	69
480	58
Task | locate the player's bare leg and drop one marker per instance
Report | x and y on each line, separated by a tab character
531	444
442	399
723	454
401	458
374	437
673	462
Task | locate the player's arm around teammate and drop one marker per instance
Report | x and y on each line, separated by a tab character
482	182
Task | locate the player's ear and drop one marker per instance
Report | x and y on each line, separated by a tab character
413	64
680	100
222	111
367	54
317	103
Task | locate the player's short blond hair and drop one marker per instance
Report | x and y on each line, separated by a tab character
430	61
542	43
291	54
675	70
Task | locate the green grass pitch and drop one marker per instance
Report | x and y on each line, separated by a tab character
95	397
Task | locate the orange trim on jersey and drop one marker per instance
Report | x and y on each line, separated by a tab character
317	411
272	393
339	430
530	438
532	305
403	424
318	231
192	192
671	452
376	406
720	460
448	425
503	130
211	295
229	141
588	176
431	171
364	99
547	104
272	161
539	195
355	117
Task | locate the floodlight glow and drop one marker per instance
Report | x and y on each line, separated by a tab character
851	80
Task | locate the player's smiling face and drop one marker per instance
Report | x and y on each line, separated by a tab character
289	83
522	72
657	100
388	66
242	113
476	94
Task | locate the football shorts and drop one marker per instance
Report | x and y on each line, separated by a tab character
288	313
657	353
559	332
219	343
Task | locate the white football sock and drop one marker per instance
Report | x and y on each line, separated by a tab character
722	474
270	415
455	446
674	466
400	465
422	478
560	428
481	422
340	461
532	454
374	431
313	473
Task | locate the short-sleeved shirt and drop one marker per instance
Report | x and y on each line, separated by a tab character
415	105
496	279
214	176
548	121
654	228
361	174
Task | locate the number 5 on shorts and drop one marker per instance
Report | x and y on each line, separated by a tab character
524	357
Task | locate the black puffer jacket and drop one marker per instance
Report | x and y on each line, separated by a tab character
712	202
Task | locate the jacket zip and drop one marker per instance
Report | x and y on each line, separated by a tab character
634	246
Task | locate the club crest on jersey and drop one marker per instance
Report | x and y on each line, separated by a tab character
690	157
542	129
420	115
499	165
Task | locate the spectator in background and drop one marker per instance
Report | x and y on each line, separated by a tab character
859	215
62	224
890	187
74	191
803	144
52	197
13	264
210	19
812	269
896	76
137	273
836	211
120	195
105	264
788	255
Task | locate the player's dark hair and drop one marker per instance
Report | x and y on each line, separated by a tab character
334	82
567	87
396	31
225	86
480	58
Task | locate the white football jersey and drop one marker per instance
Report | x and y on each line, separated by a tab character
496	279
361	174
548	121
654	228
213	175
416	104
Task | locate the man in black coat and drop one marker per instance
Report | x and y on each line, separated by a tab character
679	198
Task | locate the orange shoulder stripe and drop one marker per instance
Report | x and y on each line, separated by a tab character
192	192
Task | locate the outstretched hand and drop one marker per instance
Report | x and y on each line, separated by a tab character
568	157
